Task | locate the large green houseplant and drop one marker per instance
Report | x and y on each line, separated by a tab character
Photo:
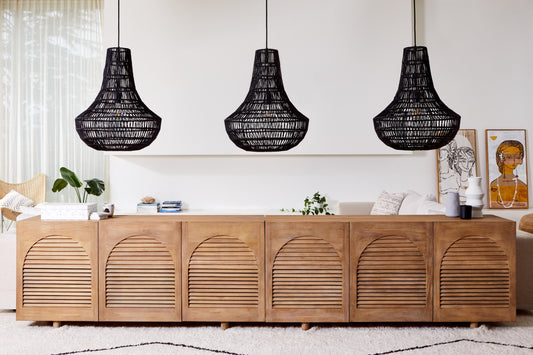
92	187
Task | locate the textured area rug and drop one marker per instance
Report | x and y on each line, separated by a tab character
207	338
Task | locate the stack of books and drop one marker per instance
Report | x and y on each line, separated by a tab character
148	208
170	207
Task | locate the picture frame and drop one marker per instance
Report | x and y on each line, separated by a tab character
456	162
506	161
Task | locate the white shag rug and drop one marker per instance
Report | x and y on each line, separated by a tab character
207	338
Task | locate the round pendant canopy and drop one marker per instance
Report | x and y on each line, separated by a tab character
266	121
118	120
416	119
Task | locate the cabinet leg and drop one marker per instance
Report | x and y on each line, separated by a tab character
474	324
224	325
306	326
56	324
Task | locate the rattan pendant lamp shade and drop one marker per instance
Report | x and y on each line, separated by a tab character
416	119
118	120
266	121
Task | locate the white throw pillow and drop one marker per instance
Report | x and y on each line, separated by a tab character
412	202
14	201
431	207
387	203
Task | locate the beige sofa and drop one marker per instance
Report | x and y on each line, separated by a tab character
524	247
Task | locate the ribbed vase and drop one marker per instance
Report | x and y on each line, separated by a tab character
474	196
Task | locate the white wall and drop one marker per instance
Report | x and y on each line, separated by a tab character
481	54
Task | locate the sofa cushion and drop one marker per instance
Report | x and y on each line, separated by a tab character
431	207
14	200
387	203
413	202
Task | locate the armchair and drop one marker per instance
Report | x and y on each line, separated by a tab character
35	189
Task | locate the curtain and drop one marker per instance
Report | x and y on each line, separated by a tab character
51	63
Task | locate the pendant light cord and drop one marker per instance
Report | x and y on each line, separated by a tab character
118	22
414	20
266	24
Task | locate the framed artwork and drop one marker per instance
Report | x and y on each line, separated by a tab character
507	168
456	162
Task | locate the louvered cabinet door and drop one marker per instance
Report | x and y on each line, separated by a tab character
57	270
307	270
475	271
391	274
140	268
223	269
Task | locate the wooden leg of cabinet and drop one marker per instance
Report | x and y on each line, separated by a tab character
306	326
474	324
56	324
224	325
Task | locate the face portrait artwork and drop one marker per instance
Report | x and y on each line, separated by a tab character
456	162
507	169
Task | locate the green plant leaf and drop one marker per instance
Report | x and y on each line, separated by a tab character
70	177
59	185
95	187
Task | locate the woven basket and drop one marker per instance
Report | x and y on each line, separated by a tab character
118	120
266	121
416	119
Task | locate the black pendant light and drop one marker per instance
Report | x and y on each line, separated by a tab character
266	121
416	119
118	120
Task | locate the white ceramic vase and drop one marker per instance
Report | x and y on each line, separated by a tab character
474	196
452	205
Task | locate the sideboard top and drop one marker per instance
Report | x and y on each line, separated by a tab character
289	218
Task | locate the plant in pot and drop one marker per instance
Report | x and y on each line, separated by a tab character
92	187
312	206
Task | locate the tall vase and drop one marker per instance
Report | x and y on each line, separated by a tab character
474	196
452	204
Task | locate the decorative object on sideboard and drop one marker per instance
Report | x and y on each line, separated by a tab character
312	206
173	206
266	121
67	211
466	212
452	205
68	177
148	208
108	208
118	120
474	196
456	162
507	181
147	199
416	119
97	216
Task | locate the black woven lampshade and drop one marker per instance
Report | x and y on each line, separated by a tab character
266	121
118	120
416	119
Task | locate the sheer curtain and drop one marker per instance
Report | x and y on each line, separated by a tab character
51	62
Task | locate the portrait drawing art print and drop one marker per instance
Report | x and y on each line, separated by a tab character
507	182
456	162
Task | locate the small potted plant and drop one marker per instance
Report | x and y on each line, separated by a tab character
92	187
312	206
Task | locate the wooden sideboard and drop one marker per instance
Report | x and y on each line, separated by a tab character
288	268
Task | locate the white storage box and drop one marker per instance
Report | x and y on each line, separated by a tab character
67	211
